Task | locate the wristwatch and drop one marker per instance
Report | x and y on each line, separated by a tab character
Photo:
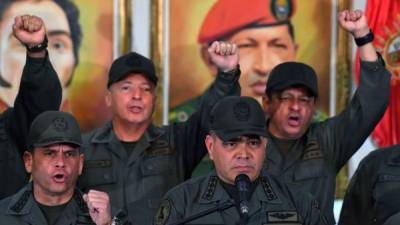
38	48
364	39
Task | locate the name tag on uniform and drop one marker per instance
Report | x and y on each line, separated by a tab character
97	163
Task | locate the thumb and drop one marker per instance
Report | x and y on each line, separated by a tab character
85	198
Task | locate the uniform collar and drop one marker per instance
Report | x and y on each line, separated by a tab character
25	207
213	191
106	134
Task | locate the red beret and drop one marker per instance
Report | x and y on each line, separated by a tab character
228	16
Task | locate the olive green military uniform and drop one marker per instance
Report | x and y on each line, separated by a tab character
23	209
315	159
373	194
40	90
163	157
270	203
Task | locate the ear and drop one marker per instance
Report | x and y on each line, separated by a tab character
108	98
209	144
265	102
207	60
81	160
28	158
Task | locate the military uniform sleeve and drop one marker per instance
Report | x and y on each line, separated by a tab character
358	203
167	213
39	91
190	136
342	135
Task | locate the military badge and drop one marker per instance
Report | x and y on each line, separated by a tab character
163	212
281	9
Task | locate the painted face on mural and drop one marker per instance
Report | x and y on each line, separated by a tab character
13	53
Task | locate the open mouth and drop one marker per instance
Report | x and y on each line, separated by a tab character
294	120
135	109
59	178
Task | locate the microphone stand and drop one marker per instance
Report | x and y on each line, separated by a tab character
219	207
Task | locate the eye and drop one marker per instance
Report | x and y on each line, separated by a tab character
305	100
285	98
147	88
229	144
70	154
49	153
254	143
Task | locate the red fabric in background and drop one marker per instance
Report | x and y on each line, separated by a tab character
384	20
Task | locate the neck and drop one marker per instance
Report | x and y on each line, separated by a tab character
52	199
129	132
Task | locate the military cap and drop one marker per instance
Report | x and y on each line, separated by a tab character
288	74
229	16
53	127
131	63
235	116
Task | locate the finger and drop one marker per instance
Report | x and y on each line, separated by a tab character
228	49
85	197
234	48
223	48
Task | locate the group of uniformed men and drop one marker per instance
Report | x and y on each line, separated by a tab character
277	168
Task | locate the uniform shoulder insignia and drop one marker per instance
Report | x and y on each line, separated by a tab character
163	212
212	184
19	205
269	192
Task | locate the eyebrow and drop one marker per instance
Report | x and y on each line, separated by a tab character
59	32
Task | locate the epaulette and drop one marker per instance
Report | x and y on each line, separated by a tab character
212	184
20	204
268	189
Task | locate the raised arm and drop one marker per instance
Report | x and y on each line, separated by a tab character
40	88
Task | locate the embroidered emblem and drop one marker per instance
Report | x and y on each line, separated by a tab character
163	212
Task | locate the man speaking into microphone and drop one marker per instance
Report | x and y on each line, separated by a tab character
236	192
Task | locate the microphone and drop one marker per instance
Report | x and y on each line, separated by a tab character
242	183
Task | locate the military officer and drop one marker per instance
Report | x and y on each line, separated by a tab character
372	196
55	162
309	155
236	144
131	159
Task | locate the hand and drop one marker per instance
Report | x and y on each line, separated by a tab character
99	207
354	22
224	55
29	30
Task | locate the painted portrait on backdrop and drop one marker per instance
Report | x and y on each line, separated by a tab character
75	30
271	33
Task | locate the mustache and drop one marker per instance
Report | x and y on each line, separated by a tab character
253	78
243	162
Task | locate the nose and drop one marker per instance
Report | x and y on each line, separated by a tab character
265	60
243	151
60	161
294	104
136	93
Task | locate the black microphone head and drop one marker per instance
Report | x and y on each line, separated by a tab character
242	183
242	178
